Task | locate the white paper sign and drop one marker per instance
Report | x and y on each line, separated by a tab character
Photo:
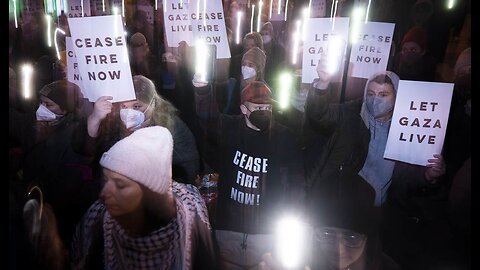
197	19
318	33
73	73
277	8
178	26
101	50
75	8
419	121
371	48
209	25
317	8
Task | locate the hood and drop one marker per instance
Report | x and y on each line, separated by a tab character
394	77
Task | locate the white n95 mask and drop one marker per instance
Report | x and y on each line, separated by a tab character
132	118
44	114
248	72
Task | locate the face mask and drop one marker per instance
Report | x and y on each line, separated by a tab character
261	119
266	39
378	107
133	118
248	72
411	57
44	114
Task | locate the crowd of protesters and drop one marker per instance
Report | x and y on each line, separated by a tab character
119	185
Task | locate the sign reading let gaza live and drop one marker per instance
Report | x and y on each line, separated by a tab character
419	121
101	50
203	19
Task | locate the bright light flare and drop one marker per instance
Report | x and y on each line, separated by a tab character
285	89
270	11
239	20
306	15
450	4
291	241
286	11
296	40
259	16
115	10
27	72
103	5
123	8
15	12
279	6
368	11
81	3
335	52
251	18
201	59
357	15
49	32
56	43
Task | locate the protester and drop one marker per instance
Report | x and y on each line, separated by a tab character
260	173
143	219
109	122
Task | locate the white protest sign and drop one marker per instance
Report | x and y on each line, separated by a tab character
319	32
371	48
101	50
75	8
419	121
178	26
317	8
208	24
73	74
277	10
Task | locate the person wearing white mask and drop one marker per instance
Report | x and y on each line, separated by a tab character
110	122
274	52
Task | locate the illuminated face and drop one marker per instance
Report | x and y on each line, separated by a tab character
139	106
52	106
120	194
249	63
385	96
339	247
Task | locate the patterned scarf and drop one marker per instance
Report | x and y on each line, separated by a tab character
163	248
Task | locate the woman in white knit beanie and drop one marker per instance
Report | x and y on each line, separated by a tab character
143	219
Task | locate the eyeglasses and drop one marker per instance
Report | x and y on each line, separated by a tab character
333	235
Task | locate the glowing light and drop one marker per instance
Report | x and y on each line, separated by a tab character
201	59
204	12
164	5
334	15
156	4
451	3
270	11
285	89
59	9
56	45
357	14
103	5
291	239
306	15
81	3
259	17
239	19
335	52
115	10
15	12
49	26
279	6
251	18
27	71
286	11
123	8
296	41
368	11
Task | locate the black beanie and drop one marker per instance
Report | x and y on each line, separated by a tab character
64	93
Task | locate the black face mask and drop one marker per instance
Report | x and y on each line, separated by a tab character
261	119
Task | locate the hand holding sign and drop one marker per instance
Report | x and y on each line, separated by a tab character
102	107
435	168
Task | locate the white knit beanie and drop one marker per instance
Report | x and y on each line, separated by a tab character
145	157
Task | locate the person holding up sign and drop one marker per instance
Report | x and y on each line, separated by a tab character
358	133
109	122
